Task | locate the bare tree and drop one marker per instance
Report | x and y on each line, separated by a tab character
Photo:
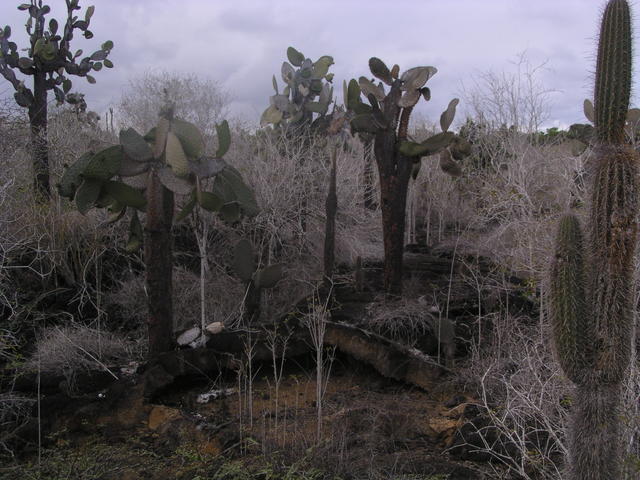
201	101
515	99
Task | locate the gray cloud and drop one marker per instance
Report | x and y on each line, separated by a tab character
242	43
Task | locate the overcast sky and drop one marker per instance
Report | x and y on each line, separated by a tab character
242	43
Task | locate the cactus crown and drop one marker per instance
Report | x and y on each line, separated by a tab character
116	177
613	73
390	110
307	91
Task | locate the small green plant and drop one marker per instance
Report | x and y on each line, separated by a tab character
245	264
50	61
142	174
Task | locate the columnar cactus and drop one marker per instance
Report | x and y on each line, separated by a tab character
592	317
143	174
331	209
307	91
386	118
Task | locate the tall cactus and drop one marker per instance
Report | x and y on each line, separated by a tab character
51	62
592	317
143	174
386	119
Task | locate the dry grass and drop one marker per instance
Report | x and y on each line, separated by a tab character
405	320
75	348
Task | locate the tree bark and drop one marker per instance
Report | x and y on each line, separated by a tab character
39	147
158	259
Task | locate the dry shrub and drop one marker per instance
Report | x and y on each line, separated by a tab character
76	348
290	179
128	302
15	411
406	320
506	208
522	392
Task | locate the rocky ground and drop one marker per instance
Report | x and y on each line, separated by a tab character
393	407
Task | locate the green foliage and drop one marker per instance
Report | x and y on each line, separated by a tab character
485	144
51	63
134	145
430	146
244	260
246	267
174	152
405	93
268	276
191	138
72	178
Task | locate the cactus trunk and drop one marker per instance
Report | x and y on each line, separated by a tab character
158	259
386	118
39	145
613	72
395	172
594	433
614	207
393	197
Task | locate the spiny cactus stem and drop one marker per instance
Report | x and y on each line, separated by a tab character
331	207
594	433
572	335
613	72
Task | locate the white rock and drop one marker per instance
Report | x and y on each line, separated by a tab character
188	336
201	341
213	394
214	328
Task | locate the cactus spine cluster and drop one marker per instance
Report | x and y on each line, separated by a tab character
591	296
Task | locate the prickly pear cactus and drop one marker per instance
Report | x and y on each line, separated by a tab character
173	152
386	118
307	91
144	174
